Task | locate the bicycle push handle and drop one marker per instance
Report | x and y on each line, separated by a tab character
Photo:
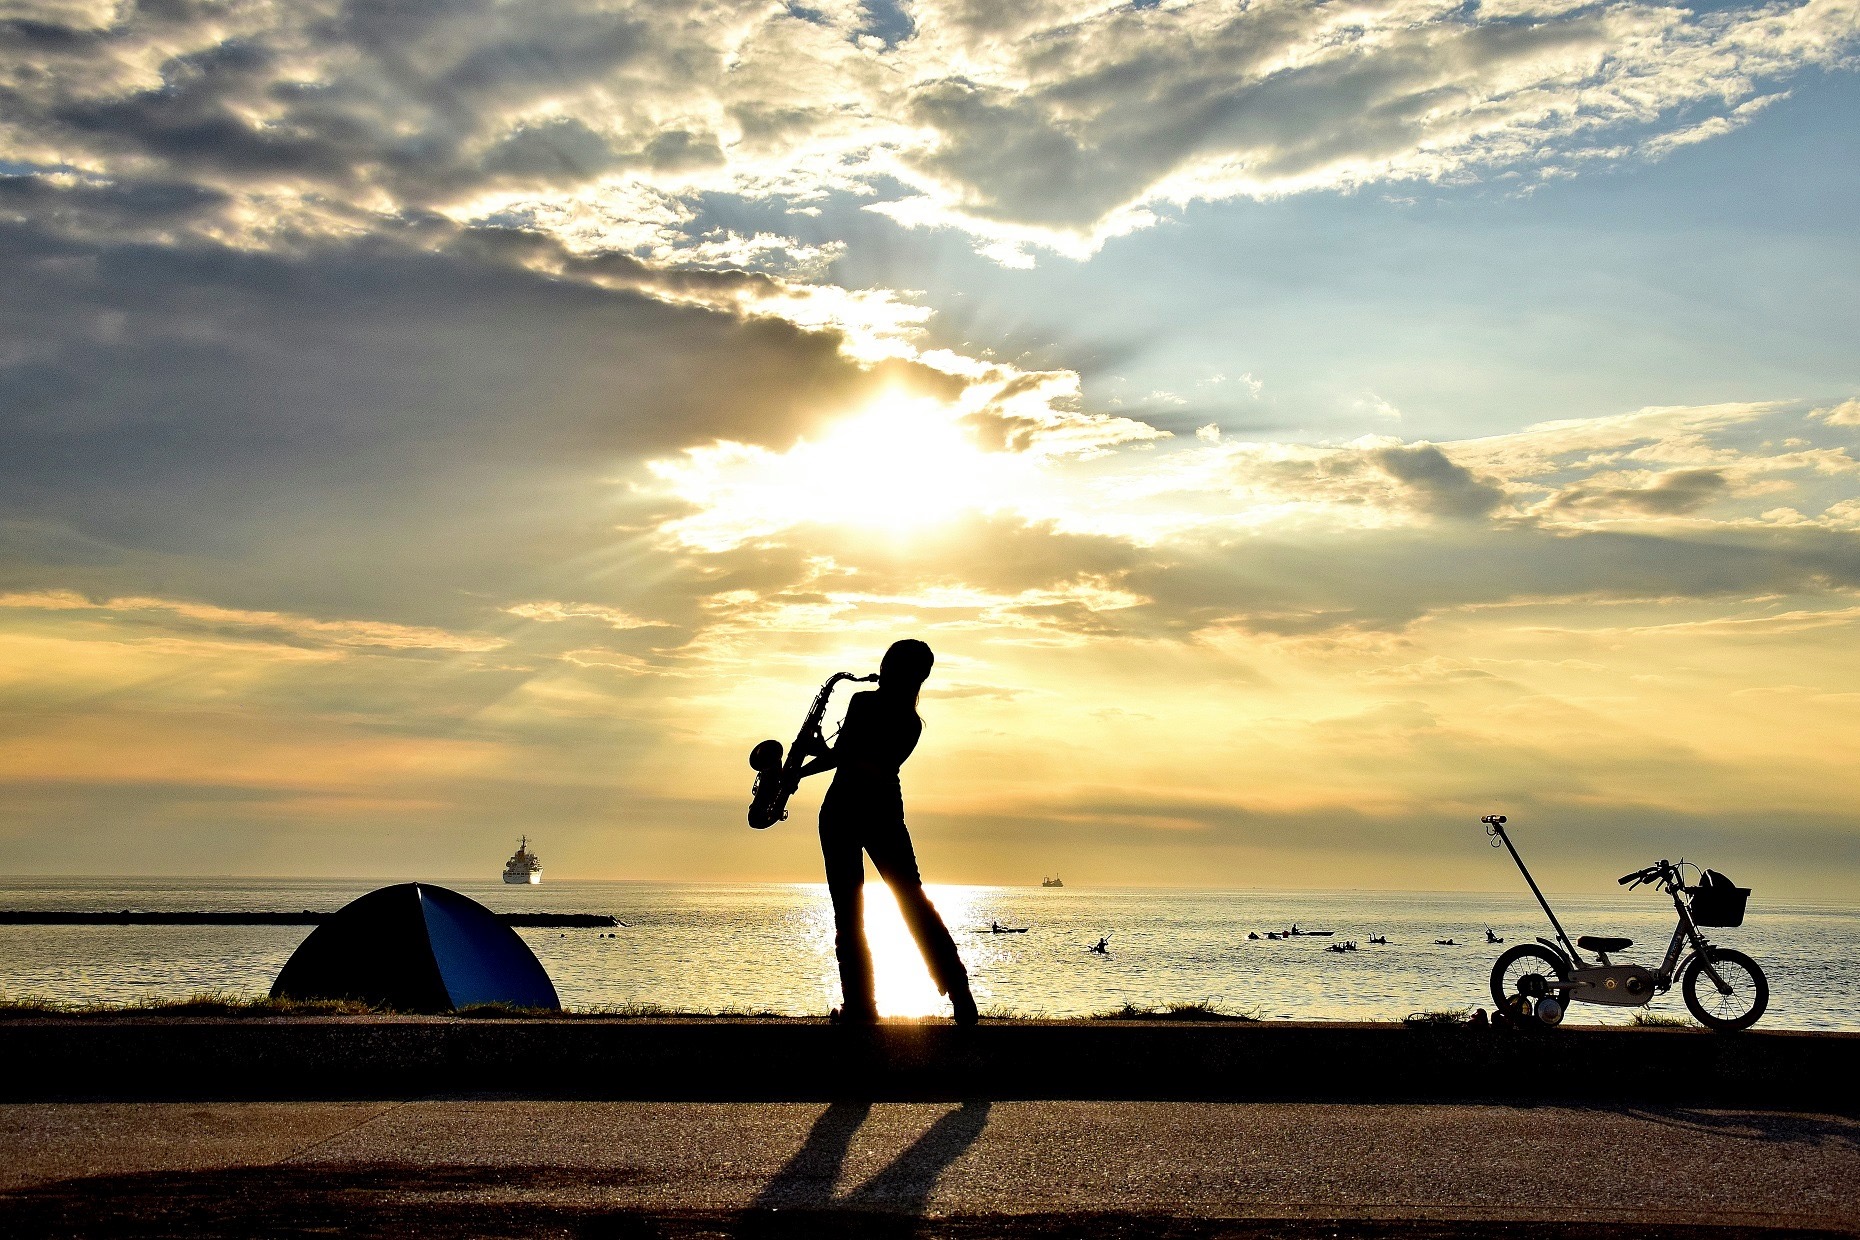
1494	824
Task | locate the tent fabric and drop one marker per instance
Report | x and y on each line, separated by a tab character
415	947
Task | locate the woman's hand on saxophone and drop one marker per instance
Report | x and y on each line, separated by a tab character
814	745
824	759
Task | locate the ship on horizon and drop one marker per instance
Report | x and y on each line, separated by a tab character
524	866
1051	882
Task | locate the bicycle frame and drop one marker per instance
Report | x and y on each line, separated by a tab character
1685	933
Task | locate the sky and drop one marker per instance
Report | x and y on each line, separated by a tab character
1298	428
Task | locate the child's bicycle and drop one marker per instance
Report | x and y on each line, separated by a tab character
1725	989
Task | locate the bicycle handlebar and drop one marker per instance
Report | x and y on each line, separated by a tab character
1648	875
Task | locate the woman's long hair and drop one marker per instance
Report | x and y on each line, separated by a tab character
904	669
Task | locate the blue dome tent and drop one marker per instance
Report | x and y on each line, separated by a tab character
415	947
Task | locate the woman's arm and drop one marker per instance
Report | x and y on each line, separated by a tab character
825	762
824	758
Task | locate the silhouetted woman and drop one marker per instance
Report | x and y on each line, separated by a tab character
863	812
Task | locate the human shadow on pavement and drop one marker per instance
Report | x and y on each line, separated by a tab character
906	1182
903	1186
809	1178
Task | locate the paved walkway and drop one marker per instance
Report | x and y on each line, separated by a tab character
471	1167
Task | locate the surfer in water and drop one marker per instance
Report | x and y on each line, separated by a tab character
863	812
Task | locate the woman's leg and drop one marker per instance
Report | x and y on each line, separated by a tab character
896	862
840	848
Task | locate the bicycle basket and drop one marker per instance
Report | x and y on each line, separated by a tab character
1717	901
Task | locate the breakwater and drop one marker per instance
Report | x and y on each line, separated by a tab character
747	1058
305	917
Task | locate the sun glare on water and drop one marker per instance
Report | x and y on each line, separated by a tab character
901	981
904	464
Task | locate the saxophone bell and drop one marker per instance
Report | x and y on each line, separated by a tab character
765	757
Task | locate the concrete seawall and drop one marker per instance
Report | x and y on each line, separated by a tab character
750	1059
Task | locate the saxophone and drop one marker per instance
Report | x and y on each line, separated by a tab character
768	799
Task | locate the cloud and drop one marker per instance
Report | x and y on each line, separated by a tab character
265	625
556	613
1667	494
1371	536
1847	413
1375	405
1082	123
1057	127
417	436
1385	581
1438	485
1732	435
439	385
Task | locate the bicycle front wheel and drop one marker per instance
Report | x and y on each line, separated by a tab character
1732	1006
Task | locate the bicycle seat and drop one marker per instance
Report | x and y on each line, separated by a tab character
1590	943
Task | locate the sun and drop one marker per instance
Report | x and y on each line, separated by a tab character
903	464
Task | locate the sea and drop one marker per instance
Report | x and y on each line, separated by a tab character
754	948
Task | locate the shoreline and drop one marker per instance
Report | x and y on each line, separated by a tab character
130	1055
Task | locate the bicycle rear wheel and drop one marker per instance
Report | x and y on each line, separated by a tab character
1738	1003
1526	970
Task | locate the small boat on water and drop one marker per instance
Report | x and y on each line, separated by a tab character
1379	940
1051	882
524	866
1445	943
1252	934
998	928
